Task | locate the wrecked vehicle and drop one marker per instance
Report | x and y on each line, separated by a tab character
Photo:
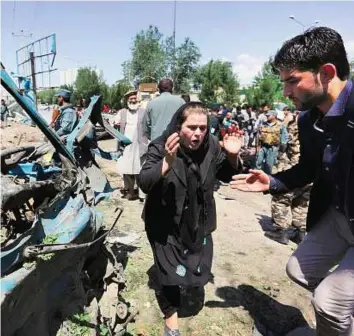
52	234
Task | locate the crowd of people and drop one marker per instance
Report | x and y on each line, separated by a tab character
179	149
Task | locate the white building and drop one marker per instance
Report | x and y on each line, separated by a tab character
68	77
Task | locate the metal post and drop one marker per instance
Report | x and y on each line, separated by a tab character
33	75
174	42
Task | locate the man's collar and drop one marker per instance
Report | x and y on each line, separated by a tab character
338	107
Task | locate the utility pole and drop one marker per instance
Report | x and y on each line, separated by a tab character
174	42
33	75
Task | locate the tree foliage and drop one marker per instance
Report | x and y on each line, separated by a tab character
127	72
148	57
352	69
186	65
154	57
266	88
47	96
218	83
87	84
67	87
116	94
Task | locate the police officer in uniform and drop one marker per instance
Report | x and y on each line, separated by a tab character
67	119
289	210
273	137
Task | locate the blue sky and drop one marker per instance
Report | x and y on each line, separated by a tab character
101	33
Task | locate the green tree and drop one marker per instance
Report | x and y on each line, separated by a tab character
148	56
116	94
169	50
127	72
218	83
154	57
186	65
67	87
105	92
87	84
266	88
47	96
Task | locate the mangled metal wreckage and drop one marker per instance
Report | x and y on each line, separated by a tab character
54	237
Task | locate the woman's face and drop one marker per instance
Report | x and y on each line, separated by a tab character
193	130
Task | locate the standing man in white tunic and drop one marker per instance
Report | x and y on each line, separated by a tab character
129	122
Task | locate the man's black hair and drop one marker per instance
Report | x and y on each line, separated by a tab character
312	49
165	85
263	105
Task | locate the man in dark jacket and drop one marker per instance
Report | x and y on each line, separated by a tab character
315	71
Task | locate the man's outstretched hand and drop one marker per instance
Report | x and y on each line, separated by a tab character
256	181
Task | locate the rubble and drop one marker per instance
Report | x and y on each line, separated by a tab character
51	230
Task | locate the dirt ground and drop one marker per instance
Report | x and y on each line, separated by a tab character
249	285
17	134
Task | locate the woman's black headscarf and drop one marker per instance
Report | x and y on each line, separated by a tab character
194	214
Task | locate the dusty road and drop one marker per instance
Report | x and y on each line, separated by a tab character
249	285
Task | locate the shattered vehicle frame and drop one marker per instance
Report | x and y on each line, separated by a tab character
53	230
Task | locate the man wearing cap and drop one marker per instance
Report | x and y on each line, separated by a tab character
67	119
130	122
272	137
160	110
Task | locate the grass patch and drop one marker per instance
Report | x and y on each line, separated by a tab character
75	326
49	240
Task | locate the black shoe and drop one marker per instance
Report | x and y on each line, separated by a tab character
131	197
279	236
170	332
298	237
124	192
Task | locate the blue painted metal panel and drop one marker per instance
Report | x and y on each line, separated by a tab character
72	136
69	216
66	220
34	170
8	283
114	156
12	253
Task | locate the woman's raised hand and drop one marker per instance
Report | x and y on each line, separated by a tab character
172	145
